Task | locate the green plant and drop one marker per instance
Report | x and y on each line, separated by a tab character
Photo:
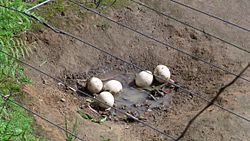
53	10
89	117
105	4
12	23
70	137
104	25
15	123
104	139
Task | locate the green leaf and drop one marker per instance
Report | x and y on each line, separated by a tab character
84	115
102	120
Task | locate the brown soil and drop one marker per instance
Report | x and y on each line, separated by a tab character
68	59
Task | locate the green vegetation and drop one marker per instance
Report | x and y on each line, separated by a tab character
116	4
70	137
12	23
89	117
104	139
53	8
55	11
15	123
104	4
104	25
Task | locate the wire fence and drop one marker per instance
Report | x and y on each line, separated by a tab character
221	90
210	15
191	26
125	113
90	96
38	115
38	5
165	45
125	61
138	67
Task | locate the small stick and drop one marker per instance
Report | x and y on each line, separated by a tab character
72	89
93	109
43	63
152	97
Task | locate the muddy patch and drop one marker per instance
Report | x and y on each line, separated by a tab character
131	99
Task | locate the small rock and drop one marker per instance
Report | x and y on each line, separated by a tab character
149	110
63	100
116	119
44	81
141	117
89	100
127	127
82	107
137	105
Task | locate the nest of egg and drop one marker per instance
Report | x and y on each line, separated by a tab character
105	92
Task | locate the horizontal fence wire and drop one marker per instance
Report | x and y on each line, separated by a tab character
191	26
221	90
38	5
61	32
41	117
210	15
129	63
90	96
158	41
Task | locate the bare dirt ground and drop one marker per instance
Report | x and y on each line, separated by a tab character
68	59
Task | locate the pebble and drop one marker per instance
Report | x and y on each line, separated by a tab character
63	100
44	81
149	110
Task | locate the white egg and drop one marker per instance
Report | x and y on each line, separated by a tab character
162	73
106	99
94	85
144	79
113	86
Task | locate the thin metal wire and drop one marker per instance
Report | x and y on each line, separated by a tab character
38	5
210	15
189	25
214	99
156	40
90	96
215	104
173	138
142	4
43	118
210	103
129	63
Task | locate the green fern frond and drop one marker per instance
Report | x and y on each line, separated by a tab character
17	47
12	23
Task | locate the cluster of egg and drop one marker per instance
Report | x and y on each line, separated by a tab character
108	89
145	78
